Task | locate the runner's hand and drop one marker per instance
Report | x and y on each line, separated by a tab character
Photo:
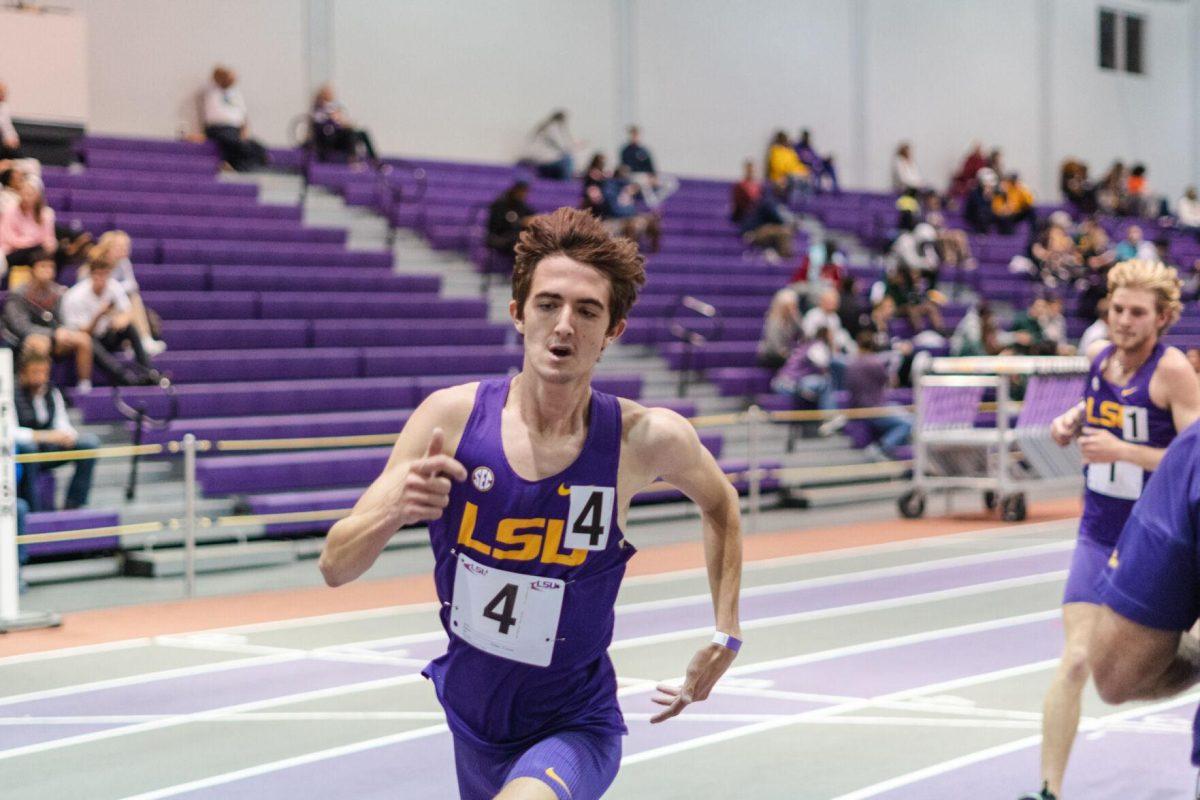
426	489
1066	426
707	667
1099	446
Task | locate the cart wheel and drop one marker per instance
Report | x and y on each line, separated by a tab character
1013	508
989	500
912	504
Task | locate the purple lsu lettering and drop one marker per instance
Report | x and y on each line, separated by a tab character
1111	414
522	539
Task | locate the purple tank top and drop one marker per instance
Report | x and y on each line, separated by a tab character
1129	414
499	524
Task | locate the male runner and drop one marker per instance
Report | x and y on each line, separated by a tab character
1139	393
530	551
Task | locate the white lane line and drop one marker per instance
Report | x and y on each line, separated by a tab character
250	716
296	761
420	608
342	653
1011	747
207	715
853	608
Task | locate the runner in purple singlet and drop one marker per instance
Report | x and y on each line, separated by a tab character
526	483
1138	395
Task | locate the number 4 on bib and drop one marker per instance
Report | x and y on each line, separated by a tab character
590	518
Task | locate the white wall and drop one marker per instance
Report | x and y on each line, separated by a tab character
148	58
469	79
47	90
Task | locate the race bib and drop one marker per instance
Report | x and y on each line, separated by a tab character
1119	479
1136	423
504	613
590	517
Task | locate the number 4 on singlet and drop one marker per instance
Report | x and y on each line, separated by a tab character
507	614
590	517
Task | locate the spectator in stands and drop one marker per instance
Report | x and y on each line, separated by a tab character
100	308
10	142
879	322
745	195
10	186
334	133
1097	330
1187	212
226	123
1097	257
1193	357
908	210
33	321
1139	200
770	227
42	414
806	375
953	246
905	174
820	166
507	217
636	158
979	210
1134	245
781	330
868	375
852	309
978	333
618	206
823	266
995	161
551	148
115	247
913	300
1012	204
28	227
1051	257
785	171
824	317
917	250
1040	330
1111	197
1075	186
963	181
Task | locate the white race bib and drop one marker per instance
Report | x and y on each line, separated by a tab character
590	517
1119	479
504	613
1136	422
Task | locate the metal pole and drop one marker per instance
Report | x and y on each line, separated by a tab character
1002	411
754	416
189	515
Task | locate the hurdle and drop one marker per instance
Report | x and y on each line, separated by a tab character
955	450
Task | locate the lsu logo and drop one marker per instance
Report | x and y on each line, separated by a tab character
1133	422
521	540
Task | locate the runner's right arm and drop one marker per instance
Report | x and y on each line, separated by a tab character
413	487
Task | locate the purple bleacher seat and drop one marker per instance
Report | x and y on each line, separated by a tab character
125	144
440	360
279	254
202	165
313	279
411	333
203	305
741	381
76	519
291	305
264	365
239	334
168	226
111	180
193	205
284	426
169	278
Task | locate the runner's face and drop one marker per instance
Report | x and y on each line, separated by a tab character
1134	318
566	318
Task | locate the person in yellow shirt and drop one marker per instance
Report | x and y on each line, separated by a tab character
786	172
1012	204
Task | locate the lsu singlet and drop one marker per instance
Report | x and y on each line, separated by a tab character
527	573
1128	413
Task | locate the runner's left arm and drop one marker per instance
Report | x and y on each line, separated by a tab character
673	451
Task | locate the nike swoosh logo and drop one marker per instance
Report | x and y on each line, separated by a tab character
564	490
1129	391
554	777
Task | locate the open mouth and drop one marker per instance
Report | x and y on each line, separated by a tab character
561	350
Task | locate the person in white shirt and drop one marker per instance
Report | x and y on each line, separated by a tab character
551	148
905	174
115	247
43	427
1188	211
225	122
825	315
1097	330
99	306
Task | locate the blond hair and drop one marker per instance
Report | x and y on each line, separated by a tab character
102	250
1150	276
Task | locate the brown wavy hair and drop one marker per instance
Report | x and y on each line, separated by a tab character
580	236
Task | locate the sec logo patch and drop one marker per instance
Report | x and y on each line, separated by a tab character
483	478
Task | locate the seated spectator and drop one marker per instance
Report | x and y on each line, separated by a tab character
618	206
771	228
10	142
952	245
1075	187
1098	330
978	333
979	210
551	148
806	376
1187	212
1051	257
820	166
781	330
964	180
115	247
1111	197
824	317
785	171
905	174
507	217
99	307
745	195
1012	204
596	174
1139	199
908	210
1134	245
852	309
42	421
636	158
33	321
823	266
913	300
27	228
868	376
1097	257
879	322
995	161
226	123
334	133
1040	330
917	250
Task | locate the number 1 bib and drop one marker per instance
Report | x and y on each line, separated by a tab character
504	613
